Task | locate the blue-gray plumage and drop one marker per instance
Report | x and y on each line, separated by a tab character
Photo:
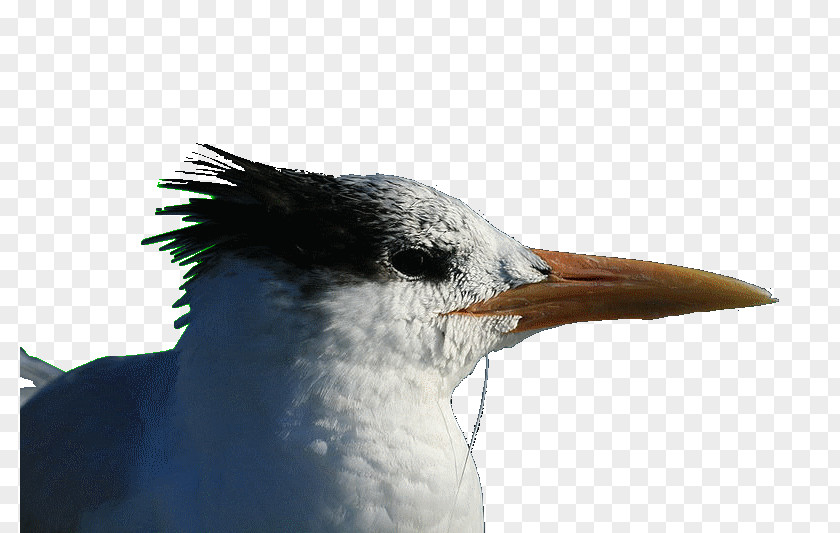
81	437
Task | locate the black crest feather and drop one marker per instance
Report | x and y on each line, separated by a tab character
305	219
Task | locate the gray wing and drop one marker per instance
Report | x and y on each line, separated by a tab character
37	371
81	437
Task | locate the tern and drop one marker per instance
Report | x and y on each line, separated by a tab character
330	319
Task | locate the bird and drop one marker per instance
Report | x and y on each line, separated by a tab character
329	320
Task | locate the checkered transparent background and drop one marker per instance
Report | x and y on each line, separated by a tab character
703	134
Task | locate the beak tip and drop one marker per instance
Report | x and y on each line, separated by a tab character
764	297
753	296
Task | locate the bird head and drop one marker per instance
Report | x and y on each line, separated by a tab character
389	263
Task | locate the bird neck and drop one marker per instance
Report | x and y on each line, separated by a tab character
273	385
257	340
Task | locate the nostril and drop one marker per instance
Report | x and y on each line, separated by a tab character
584	278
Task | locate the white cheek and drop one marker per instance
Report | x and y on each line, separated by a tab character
466	339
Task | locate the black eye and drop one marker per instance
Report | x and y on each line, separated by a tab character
420	263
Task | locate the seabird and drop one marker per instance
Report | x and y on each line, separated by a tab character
330	319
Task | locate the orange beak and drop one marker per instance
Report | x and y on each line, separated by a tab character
582	288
